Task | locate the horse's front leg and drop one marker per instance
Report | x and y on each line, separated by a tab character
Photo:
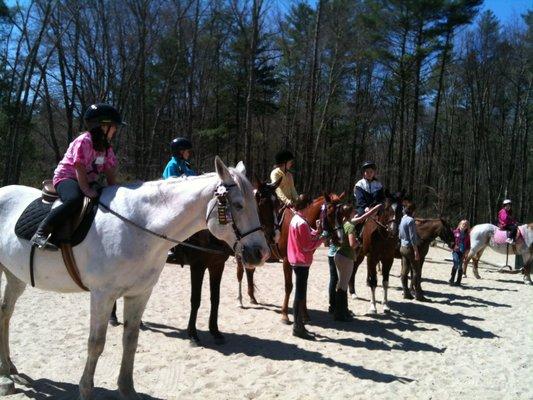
14	288
101	306
372	282
287	272
386	267
351	284
240	273
133	311
197	277
527	269
215	276
251	289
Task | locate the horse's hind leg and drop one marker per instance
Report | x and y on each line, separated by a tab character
215	276
287	272
14	288
133	311
197	277
101	306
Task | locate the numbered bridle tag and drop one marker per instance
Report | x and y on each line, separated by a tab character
222	205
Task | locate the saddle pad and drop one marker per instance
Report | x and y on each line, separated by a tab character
500	237
36	211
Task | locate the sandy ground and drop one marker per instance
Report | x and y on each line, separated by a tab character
473	342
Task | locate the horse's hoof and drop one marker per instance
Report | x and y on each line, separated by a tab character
285	320
527	280
21	380
476	275
7	386
422	299
354	296
253	301
113	322
372	311
408	296
194	340
386	309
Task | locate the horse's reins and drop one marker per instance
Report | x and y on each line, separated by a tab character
380	224
179	242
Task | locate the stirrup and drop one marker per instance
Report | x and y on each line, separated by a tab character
43	243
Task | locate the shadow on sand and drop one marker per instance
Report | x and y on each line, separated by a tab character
42	389
281	351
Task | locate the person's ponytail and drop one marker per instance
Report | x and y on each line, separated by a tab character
98	136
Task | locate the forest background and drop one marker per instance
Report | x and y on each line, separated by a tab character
436	92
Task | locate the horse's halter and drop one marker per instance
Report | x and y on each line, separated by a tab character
224	212
263	194
326	226
388	226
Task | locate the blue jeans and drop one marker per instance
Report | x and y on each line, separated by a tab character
333	279
457	260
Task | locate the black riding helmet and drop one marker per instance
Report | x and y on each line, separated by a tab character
368	164
284	156
179	144
101	113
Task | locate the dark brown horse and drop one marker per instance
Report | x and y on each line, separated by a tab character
200	260
380	237
428	230
330	217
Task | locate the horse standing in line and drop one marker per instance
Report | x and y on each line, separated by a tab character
118	259
428	230
200	260
484	235
380	239
324	207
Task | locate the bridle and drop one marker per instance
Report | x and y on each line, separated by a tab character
224	213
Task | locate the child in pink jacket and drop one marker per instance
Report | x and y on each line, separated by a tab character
302	243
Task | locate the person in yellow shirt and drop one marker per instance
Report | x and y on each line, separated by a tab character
286	191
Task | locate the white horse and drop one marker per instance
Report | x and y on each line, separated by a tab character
117	259
483	235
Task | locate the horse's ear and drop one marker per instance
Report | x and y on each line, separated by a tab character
341	196
241	168
256	182
222	170
276	184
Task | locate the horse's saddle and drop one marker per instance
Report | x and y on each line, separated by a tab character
500	237
72	232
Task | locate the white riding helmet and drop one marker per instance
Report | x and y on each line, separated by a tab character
506	201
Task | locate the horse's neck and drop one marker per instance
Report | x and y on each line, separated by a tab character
172	208
312	212
429	230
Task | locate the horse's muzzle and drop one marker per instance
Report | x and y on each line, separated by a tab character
254	255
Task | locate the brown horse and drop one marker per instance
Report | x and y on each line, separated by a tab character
200	260
380	238
332	220
428	230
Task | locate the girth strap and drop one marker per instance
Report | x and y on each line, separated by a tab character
70	263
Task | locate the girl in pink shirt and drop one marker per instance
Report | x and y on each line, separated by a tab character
507	222
302	243
89	155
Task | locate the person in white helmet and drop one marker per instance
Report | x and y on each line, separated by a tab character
507	221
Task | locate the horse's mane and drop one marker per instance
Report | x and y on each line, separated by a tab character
240	180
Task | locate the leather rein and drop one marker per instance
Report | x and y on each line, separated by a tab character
221	195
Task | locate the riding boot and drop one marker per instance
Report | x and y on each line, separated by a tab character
340	307
298	329
459	277
406	292
42	236
348	314
452	278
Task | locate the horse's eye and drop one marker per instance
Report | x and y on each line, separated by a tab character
238	206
